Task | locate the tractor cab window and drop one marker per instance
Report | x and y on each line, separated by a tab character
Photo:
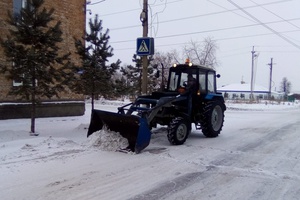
173	81
182	79
202	80
211	82
188	79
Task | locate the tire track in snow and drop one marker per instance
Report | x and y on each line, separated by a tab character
268	144
54	155
246	162
166	188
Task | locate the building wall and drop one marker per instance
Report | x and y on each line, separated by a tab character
231	95
72	15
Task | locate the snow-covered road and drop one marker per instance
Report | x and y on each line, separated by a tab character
255	157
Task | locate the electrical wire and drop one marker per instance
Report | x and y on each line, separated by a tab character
216	30
294	25
276	15
96	3
213	30
135	9
155	17
202	15
264	25
218	39
227	10
230	10
255	35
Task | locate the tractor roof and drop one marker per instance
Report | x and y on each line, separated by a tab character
183	67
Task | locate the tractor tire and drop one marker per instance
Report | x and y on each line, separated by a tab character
213	119
178	131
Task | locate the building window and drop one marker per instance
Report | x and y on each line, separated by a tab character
15	81
17	7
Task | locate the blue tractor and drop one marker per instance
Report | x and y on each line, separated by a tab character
189	98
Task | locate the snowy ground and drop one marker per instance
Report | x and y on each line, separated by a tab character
257	156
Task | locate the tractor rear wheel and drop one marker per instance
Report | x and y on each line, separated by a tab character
213	119
178	131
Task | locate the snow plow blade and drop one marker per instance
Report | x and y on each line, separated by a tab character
133	128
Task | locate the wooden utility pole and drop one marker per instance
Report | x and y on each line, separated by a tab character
144	19
270	84
252	74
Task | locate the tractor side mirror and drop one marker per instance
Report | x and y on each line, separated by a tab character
218	75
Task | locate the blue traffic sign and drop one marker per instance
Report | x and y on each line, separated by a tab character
145	46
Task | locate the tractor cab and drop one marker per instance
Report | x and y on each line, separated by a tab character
197	79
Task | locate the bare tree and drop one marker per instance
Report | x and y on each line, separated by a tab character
163	61
202	53
285	86
174	54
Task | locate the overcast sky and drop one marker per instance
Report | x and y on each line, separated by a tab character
271	26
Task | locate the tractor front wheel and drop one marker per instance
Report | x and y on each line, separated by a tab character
178	131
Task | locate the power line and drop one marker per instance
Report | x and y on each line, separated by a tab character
96	3
278	17
264	25
273	22
216	30
134	9
202	15
230	10
256	35
218	39
213	30
170	2
220	12
275	14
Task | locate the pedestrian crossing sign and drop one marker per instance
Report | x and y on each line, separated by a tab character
145	46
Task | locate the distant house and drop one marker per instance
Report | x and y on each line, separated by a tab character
293	97
243	91
72	16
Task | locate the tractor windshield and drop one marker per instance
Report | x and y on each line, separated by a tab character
180	79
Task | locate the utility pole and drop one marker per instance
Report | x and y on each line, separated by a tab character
270	84
252	74
144	19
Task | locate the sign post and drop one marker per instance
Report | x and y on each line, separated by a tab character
144	48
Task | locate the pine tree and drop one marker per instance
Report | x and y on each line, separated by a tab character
32	55
153	82
134	76
121	88
93	49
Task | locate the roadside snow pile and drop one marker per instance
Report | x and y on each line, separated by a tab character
107	140
262	106
103	101
51	145
38	149
57	143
